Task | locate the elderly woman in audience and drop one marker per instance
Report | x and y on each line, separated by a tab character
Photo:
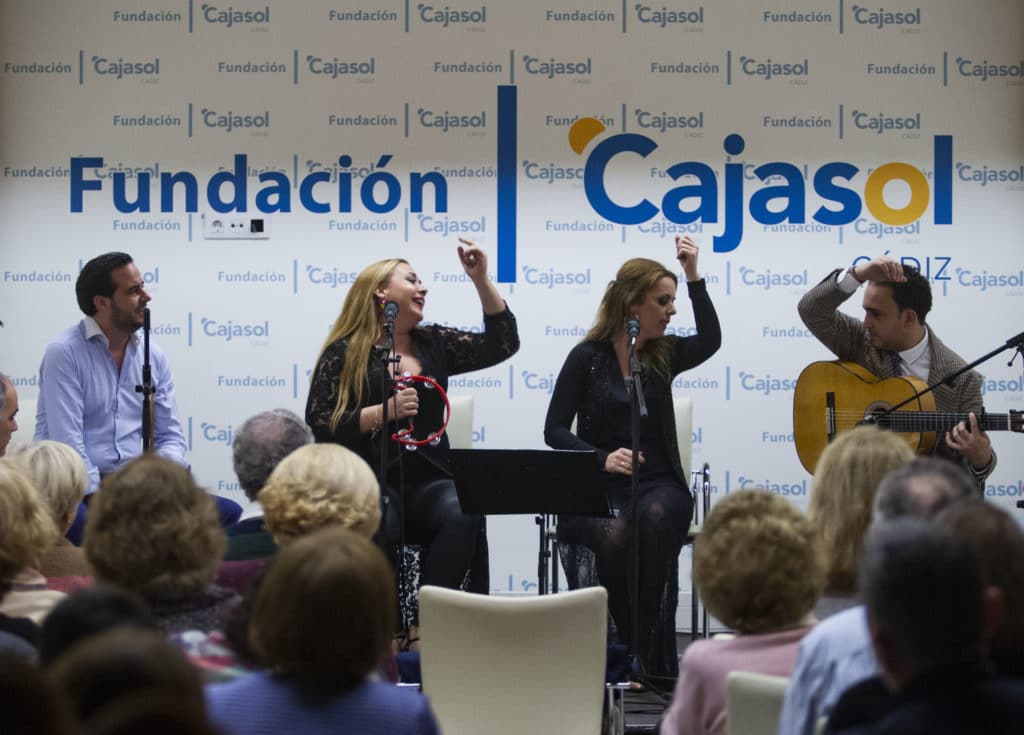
26	532
759	569
153	531
60	477
322	622
320	485
842	500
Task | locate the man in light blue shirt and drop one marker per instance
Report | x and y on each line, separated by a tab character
87	379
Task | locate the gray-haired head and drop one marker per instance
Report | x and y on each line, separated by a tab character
262	442
922	488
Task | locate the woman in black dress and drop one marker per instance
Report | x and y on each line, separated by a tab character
346	402
592	389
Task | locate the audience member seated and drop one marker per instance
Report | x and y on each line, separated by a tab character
928	612
837	653
759	569
60	477
259	445
110	669
153	531
26	533
842	497
998	541
87	613
315	486
320	485
29	702
322	622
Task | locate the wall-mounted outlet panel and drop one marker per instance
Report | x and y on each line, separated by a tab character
235	227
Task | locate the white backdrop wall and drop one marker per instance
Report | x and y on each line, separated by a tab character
403	90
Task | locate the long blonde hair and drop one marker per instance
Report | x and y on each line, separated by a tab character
360	323
635	278
843	496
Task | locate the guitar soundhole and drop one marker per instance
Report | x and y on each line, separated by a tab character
875	408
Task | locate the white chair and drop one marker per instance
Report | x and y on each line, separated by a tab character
514	664
683	406
460	422
753	702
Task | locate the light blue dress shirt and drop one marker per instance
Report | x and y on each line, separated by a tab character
85	403
834	656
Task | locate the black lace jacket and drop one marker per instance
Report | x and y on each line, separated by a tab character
585	383
442	352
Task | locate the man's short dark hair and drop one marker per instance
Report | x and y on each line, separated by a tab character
899	493
262	442
96	279
914	293
923	590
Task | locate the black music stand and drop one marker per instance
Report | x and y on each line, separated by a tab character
541	482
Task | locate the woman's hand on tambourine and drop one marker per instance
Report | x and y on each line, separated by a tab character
473	259
406	403
621	461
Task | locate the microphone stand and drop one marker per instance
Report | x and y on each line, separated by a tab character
146	388
388	381
638	414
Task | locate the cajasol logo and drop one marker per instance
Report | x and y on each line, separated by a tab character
779	488
230	330
883	122
662	121
765	384
767	279
120	68
335	67
984	175
663	17
231	121
767	69
444	226
445	16
216	433
880	18
1012	490
699	198
550	67
230	16
555	278
549	172
985	70
984	280
445	121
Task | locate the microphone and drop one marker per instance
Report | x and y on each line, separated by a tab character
632	330
390	313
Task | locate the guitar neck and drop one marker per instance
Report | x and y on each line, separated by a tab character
907	421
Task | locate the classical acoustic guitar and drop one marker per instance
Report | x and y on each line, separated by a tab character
831	397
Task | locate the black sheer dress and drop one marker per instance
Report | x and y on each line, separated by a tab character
590	387
418	485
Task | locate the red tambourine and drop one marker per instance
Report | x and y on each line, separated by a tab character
434	410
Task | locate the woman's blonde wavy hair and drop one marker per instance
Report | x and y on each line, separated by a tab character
26	529
320	485
360	323
58	473
843	495
634	279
